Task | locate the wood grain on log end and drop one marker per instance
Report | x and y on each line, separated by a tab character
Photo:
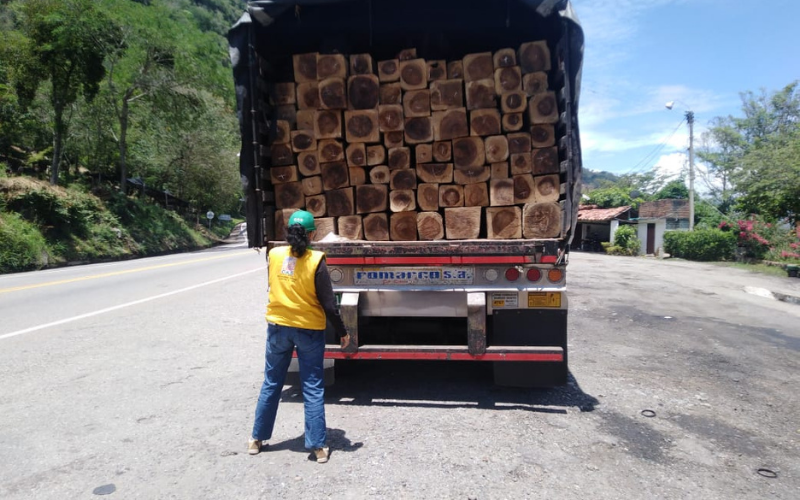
447	94
501	192
404	226
312	185
362	126
403	179
500	170
282	93
505	58
363	92
351	227
358	176
521	164
437	70
376	155
430	226
340	202
289	195
542	136
438	173
512	122
541	220
389	71
442	151
372	198
380	174
468	152
534	56
483	122
407	54
462	223
281	132
331	66
303	140
328	124
361	64
451	196
428	197
335	175
481	94
534	83
418	130
282	175
476	195
545	161
548	188
478	66
281	154
413	74
507	80
423	153
524	190
333	93
496	147
376	227
519	143
402	200
329	150
391	118
455	69
543	108
305	67
316	205
450	124
391	93
503	223
417	103
325	226
471	175
399	158
308	95
356	154
393	139
515	101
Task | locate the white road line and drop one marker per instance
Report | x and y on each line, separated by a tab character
128	304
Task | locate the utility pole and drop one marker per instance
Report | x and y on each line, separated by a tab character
690	121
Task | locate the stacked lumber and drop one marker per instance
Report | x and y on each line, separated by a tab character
409	149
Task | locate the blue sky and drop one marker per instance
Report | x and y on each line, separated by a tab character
642	53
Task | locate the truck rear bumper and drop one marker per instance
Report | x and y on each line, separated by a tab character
448	353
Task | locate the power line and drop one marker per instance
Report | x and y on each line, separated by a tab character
654	152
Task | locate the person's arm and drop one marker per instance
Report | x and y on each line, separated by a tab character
322	280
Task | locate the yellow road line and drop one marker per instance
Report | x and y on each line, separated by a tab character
118	273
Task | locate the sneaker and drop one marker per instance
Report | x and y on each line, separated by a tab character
254	447
322	454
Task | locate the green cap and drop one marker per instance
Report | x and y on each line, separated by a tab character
303	218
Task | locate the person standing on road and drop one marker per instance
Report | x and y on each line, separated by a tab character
300	299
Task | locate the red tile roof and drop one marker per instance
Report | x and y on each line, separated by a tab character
590	213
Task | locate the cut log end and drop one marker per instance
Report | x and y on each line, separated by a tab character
328	124
430	226
371	198
351	227
340	202
462	223
404	226
376	227
541	220
504	223
402	200
363	91
534	56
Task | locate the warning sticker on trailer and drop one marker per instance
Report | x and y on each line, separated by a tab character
505	299
544	299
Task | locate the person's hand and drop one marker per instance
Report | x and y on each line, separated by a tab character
345	341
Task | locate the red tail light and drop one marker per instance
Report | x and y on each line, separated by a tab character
534	274
512	274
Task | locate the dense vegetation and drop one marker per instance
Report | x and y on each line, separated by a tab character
752	195
96	92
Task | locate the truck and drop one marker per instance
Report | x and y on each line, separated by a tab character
474	296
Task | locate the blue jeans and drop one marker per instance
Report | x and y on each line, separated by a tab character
310	344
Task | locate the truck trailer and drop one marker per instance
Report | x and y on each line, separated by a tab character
437	144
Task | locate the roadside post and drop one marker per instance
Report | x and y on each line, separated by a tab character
209	216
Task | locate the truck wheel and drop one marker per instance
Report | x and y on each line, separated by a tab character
529	374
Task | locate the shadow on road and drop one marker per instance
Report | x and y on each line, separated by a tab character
441	384
337	441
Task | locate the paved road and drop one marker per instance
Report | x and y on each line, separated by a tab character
143	375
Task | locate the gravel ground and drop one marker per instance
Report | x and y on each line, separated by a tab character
163	408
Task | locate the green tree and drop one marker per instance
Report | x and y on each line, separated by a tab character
65	47
673	190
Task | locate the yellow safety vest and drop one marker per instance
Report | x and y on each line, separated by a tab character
292	290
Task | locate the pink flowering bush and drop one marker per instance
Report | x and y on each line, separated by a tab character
764	240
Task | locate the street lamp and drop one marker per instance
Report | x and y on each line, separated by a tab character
690	120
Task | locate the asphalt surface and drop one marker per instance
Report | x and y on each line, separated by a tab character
138	380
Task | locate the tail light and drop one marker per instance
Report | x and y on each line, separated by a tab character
555	275
534	274
512	274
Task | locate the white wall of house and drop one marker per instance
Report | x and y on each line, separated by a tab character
661	227
613	230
